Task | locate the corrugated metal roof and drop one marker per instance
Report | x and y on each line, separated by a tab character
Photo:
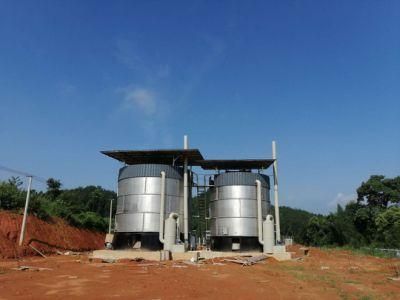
235	164
158	156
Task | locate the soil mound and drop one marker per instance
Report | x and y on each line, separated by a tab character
48	237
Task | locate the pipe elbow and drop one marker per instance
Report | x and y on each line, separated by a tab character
174	215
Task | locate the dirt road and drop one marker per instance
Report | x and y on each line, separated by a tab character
322	275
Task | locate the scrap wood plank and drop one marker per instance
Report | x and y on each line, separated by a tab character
258	258
247	261
23	268
30	245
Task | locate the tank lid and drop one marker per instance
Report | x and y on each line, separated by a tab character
241	178
150	170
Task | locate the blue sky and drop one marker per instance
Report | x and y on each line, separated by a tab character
322	78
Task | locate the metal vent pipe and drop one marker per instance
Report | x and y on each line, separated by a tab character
259	213
162	209
185	195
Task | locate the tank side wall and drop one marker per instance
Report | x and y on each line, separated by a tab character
234	210
138	204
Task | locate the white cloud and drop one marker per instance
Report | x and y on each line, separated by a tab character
341	199
144	63
149	110
141	100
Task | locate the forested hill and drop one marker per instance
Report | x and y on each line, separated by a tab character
294	221
85	207
373	219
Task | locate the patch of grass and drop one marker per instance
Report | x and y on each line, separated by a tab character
361	251
352	281
370	252
293	268
378	282
303	276
344	296
329	280
366	297
299	273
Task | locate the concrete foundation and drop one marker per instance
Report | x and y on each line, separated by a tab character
155	255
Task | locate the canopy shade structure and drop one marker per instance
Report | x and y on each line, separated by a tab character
160	156
235	164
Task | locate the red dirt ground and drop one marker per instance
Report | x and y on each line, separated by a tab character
324	274
45	236
321	275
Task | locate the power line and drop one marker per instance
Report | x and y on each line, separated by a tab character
37	178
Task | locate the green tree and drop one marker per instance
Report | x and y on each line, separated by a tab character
294	222
11	197
89	220
53	188
379	191
37	205
15	181
388	227
317	232
364	221
342	228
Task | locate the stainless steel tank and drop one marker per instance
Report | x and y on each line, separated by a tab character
233	205
139	190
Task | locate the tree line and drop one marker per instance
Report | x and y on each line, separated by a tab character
373	219
85	207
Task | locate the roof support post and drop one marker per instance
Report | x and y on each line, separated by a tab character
276	199
185	195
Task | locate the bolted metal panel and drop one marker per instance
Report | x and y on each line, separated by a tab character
233	227
138	204
233	208
237	192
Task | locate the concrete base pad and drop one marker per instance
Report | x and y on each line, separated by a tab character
155	255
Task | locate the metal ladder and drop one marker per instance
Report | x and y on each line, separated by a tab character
201	193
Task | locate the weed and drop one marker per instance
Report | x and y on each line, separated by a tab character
349	281
366	297
293	268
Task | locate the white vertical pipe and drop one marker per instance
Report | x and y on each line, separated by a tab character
276	199
109	223
28	193
185	195
162	209
259	213
185	142
268	234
